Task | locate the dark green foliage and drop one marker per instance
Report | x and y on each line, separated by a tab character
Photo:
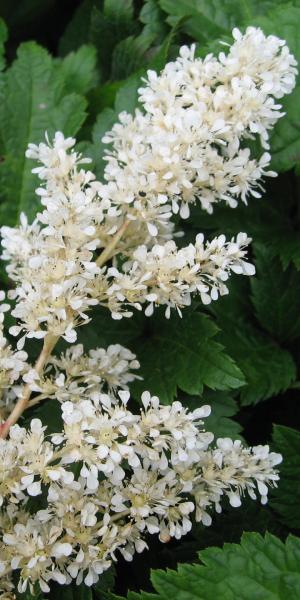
268	368
281	317
223	406
36	99
183	353
283	21
79	70
287	495
257	569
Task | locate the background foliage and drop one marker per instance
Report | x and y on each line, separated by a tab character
74	65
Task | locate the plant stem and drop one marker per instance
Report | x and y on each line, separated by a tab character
106	254
49	343
120	515
36	400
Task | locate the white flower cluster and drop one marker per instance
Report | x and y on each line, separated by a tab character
186	146
111	476
137	474
55	269
75	375
167	276
13	364
51	260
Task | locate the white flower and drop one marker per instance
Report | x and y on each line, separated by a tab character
138	485
166	275
61	549
186	146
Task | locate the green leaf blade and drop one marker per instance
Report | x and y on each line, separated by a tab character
275	296
259	568
182	353
286	497
285	141
79	70
34	102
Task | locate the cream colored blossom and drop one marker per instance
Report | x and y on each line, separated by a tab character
139	473
186	146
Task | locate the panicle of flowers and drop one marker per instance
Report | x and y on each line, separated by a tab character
166	275
13	364
74	374
59	278
187	144
137	474
52	260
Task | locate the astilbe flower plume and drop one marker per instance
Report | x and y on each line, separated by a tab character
110	476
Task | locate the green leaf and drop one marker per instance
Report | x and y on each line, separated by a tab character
183	353
208	20
230	524
106	583
268	220
275	295
3	38
49	412
259	568
129	55
119	12
287	246
223	407
287	495
123	95
152	17
81	592
78	29
268	369
95	149
195	23
285	142
127	94
71	592
103	330
108	27
236	303
37	595
102	96
34	102
79	70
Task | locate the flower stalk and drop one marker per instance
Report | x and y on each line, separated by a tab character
22	403
109	250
